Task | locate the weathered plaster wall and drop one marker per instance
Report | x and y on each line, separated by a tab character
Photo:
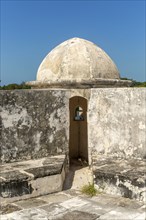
34	124
116	122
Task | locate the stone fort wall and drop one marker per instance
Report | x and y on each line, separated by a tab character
35	123
117	122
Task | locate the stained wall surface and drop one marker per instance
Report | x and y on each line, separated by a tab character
34	124
116	122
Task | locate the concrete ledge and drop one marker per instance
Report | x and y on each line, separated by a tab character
27	179
121	177
81	84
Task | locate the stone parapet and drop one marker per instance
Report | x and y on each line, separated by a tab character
120	177
33	178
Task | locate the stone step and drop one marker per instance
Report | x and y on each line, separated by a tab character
27	179
121	177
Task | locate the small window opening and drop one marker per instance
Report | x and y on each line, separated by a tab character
79	114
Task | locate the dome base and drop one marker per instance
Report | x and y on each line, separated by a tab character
84	84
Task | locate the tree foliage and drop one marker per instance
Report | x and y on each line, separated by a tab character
15	86
135	83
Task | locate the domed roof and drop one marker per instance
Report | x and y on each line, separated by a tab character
76	60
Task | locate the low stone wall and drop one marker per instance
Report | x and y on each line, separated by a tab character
117	176
34	124
116	122
32	178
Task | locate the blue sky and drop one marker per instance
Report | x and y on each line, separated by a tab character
30	29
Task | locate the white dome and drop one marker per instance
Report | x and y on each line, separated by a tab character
76	60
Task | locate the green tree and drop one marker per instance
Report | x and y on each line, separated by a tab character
15	86
135	83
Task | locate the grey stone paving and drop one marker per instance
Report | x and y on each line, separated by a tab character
72	205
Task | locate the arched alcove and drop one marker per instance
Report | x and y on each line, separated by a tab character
78	144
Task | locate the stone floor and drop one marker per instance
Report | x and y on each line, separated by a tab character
71	204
